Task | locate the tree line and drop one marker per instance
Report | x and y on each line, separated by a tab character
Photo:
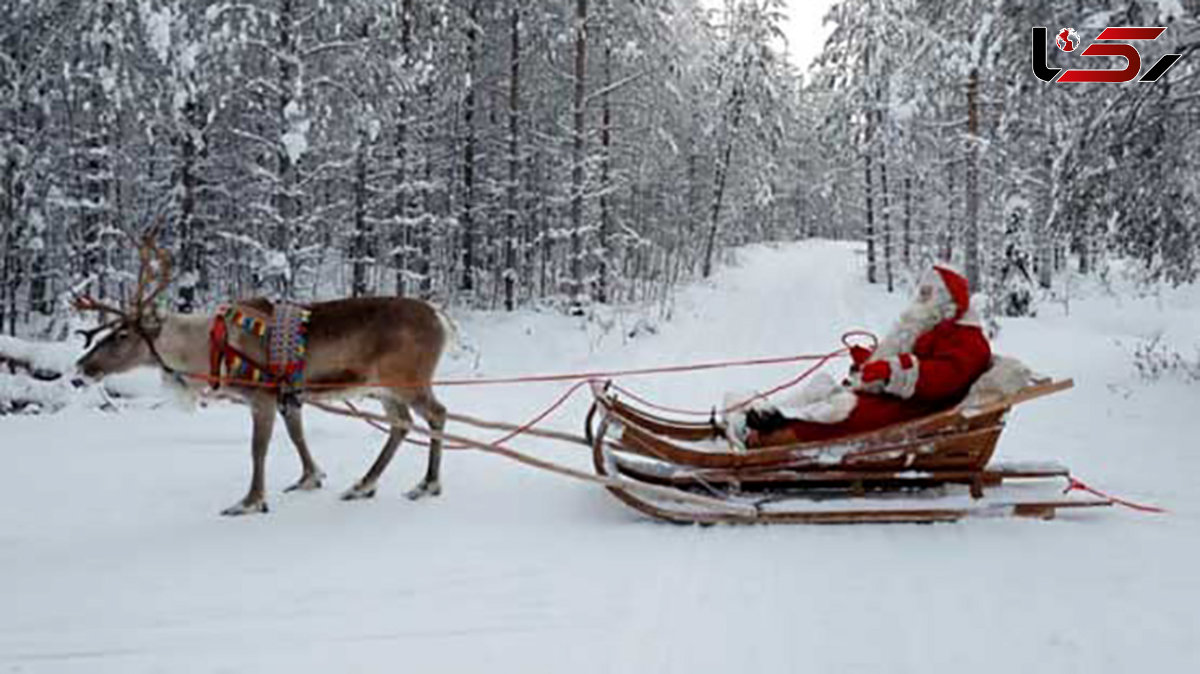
505	153
934	140
487	153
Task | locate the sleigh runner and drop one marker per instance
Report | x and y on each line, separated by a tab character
937	468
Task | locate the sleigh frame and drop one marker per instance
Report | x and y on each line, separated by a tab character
933	469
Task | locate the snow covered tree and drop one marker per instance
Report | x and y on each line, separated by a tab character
1009	173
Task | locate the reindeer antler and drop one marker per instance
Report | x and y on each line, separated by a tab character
164	267
84	303
149	253
89	303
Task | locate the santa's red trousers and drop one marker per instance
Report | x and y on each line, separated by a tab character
950	357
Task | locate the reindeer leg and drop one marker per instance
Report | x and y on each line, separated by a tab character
434	414
365	488
261	410
311	475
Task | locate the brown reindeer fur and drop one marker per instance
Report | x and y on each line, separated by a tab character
385	347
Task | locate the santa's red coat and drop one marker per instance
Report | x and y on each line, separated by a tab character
950	357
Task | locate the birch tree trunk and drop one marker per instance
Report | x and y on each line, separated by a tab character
514	155
359	286
8	237
947	242
605	162
869	145
468	156
907	220
285	206
403	234
885	215
468	207
190	234
720	178
578	155
971	244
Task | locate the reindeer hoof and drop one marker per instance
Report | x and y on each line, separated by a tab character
358	492
423	490
243	508
308	483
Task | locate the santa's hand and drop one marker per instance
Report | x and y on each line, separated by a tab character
876	370
859	354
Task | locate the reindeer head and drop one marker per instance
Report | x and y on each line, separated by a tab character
132	329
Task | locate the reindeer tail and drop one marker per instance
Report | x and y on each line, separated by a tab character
449	327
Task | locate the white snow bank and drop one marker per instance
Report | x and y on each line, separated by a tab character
113	559
49	357
38	377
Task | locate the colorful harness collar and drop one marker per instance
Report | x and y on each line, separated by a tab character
285	336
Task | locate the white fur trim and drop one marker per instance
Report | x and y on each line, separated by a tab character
903	382
822	401
1005	377
971	319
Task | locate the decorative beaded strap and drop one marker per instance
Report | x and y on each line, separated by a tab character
287	345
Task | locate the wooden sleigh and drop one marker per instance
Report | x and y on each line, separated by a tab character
934	469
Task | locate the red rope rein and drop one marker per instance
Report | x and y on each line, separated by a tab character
519	430
527	379
582	378
1074	484
579	379
794	381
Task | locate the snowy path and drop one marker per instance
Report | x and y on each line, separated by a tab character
112	558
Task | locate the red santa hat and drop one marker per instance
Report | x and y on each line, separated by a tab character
956	284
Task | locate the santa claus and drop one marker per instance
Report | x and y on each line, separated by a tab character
926	363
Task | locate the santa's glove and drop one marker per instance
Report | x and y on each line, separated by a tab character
860	355
876	370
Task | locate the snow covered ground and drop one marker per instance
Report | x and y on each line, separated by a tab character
113	558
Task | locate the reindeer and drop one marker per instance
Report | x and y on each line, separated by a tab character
387	348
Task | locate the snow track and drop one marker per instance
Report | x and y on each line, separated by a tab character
113	558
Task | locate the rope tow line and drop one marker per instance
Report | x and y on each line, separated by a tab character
530	379
1075	484
578	379
507	452
380	423
529	427
822	360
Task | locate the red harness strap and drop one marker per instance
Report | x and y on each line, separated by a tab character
218	341
220	351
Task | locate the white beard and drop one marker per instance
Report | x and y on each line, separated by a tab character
919	318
